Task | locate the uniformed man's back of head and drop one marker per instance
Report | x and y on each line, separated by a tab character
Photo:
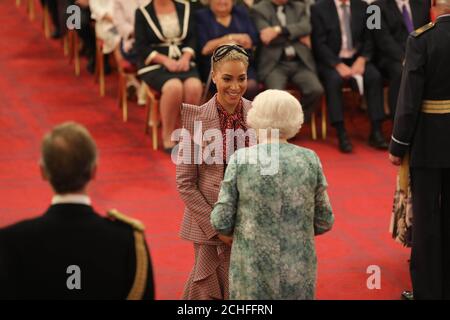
443	3
69	157
442	6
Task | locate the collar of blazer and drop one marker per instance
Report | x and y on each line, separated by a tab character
207	114
152	20
443	18
210	108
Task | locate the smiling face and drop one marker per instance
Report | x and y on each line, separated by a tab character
230	78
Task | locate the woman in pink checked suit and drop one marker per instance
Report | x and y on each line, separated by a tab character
199	184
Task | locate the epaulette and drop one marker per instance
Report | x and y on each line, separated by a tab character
423	29
113	214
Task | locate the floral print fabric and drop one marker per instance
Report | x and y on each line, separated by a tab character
273	220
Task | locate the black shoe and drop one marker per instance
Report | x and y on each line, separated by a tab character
56	34
377	141
407	295
345	146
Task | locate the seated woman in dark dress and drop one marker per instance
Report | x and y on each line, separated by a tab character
224	23
165	43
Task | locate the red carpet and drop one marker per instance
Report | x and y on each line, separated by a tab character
38	89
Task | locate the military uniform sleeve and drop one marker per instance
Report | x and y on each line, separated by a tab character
143	286
410	96
149	293
3	271
7	286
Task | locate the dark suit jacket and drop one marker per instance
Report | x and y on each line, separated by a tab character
149	35
35	255
297	23
326	34
425	77
391	39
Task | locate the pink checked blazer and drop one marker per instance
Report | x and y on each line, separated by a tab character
199	184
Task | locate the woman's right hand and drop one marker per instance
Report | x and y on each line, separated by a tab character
171	65
225	239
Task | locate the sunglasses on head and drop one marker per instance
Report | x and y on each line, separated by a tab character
223	50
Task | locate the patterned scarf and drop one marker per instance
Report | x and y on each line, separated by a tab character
234	122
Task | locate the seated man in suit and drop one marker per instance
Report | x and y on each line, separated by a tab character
398	19
343	48
286	55
71	252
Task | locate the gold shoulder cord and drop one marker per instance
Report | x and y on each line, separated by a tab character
140	278
423	29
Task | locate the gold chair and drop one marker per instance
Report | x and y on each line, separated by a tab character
30	9
323	114
65	41
125	69
100	66
73	49
46	24
152	119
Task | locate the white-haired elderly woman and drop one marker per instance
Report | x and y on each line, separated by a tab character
273	215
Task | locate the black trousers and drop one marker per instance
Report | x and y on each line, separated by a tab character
87	33
373	91
52	6
392	70
430	255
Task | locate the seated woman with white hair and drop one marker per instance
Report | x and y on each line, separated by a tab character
273	215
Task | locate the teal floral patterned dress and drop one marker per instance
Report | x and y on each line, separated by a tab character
273	216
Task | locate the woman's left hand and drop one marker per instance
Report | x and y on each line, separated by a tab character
184	63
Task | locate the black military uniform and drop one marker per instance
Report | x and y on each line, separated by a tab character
111	254
422	127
